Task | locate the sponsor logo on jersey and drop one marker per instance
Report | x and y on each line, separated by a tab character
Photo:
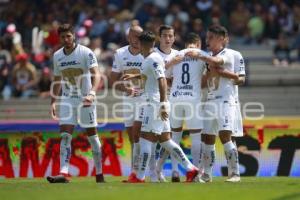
133	64
186	94
69	63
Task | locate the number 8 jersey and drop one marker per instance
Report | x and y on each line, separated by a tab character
74	70
187	77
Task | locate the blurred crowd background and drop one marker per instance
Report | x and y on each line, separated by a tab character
29	37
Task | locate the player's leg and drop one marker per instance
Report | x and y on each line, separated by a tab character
209	154
209	138
88	120
136	128
129	116
67	121
238	130
176	151
176	121
194	123
146	141
226	127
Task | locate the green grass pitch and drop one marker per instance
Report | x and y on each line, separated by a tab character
252	188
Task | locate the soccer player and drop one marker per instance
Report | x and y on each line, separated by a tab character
76	78
239	69
156	113
185	98
128	60
165	50
220	106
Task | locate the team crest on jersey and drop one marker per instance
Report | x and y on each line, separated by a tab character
155	65
241	61
92	59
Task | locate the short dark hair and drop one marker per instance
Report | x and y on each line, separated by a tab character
218	30
147	37
165	27
192	38
65	28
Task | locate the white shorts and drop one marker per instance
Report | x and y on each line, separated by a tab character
74	113
238	122
218	116
151	122
131	110
189	111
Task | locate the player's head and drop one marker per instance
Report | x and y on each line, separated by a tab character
147	40
166	36
133	36
66	35
193	40
216	37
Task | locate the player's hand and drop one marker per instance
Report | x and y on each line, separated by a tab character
192	54
164	110
53	111
177	59
88	100
133	92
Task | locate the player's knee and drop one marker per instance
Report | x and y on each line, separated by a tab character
225	136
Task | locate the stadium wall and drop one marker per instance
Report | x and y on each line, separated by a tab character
31	149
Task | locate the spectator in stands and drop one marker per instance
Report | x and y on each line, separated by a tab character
5	63
44	84
24	77
281	52
239	19
256	24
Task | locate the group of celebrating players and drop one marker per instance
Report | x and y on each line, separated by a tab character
162	88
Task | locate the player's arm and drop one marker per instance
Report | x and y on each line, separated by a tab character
55	93
164	104
225	73
95	80
211	60
174	61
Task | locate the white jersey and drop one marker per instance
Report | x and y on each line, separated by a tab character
74	70
167	58
220	87
152	69
239	68
127	63
187	77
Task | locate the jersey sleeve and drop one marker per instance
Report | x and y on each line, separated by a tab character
91	60
116	67
56	71
239	64
157	67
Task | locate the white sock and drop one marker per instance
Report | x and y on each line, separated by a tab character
163	156
209	155
152	162
177	152
65	152
231	154
176	137
145	154
97	153
201	167
136	156
195	148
